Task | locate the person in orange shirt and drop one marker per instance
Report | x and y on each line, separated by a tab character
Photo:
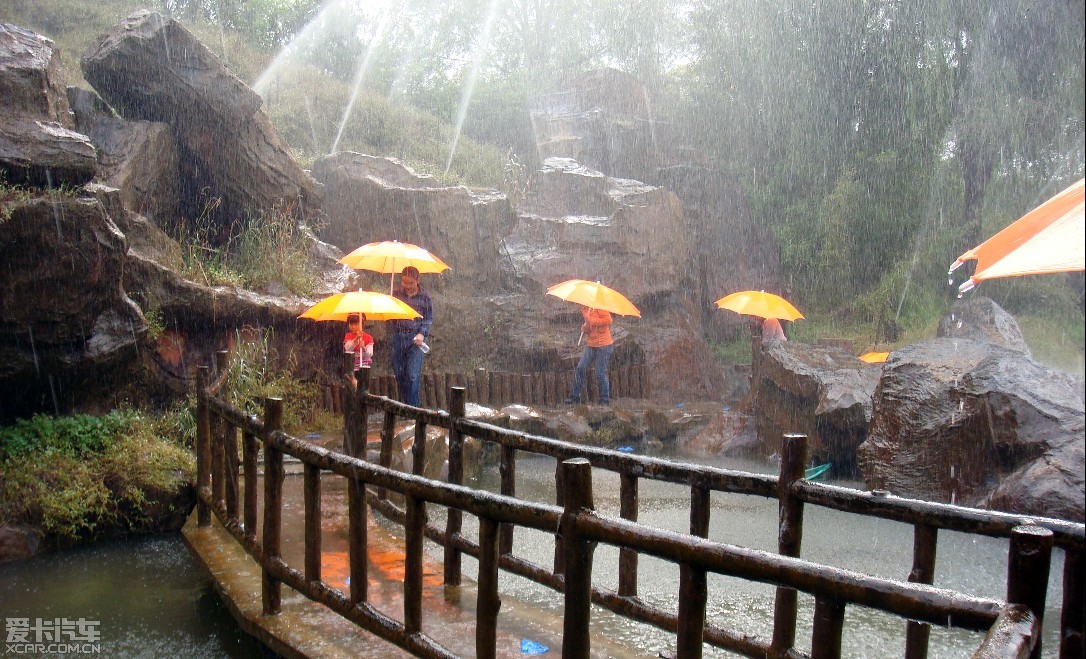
598	348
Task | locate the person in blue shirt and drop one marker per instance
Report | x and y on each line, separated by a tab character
409	336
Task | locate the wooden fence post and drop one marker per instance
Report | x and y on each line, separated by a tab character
693	584
925	541
488	604
455	520
1073	616
790	538
508	471
271	589
577	484
627	558
414	534
249	450
1028	565
203	448
829	620
230	465
311	489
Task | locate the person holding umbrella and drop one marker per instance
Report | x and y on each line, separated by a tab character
409	336
599	345
597	302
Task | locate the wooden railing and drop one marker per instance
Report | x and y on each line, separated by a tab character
503	388
1013	626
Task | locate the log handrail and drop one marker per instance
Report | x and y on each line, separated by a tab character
581	528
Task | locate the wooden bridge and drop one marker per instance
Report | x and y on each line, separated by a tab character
228	490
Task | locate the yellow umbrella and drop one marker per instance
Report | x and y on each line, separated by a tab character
759	303
874	357
376	306
391	257
594	295
1049	238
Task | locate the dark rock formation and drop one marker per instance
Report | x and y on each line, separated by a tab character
978	424
981	319
820	391
37	143
66	320
151	68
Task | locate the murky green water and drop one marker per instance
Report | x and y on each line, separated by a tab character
149	595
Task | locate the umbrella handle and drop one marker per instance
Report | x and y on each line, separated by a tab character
580	338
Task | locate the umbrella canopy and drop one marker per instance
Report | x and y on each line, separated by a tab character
874	357
1047	239
594	295
759	303
376	306
391	257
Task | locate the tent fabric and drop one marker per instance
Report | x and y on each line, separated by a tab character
1050	238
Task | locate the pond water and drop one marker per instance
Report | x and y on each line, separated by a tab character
973	564
149	595
153	599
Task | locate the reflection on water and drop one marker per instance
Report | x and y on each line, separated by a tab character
150	595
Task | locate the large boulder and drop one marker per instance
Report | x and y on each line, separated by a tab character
576	223
976	423
368	199
38	145
233	163
981	319
821	391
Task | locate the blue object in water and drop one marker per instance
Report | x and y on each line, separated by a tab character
313	435
727	409
679	404
531	647
815	473
626	449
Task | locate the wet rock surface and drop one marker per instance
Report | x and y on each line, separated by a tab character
981	319
975	423
38	143
151	68
821	391
369	199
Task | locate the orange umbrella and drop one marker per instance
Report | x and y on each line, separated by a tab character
376	306
759	303
874	357
1047	239
391	257
594	295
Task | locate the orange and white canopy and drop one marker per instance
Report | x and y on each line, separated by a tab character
1049	238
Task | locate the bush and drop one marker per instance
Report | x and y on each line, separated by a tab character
68	476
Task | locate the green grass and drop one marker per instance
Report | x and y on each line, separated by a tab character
68	476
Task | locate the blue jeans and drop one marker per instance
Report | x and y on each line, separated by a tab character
407	366
602	357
